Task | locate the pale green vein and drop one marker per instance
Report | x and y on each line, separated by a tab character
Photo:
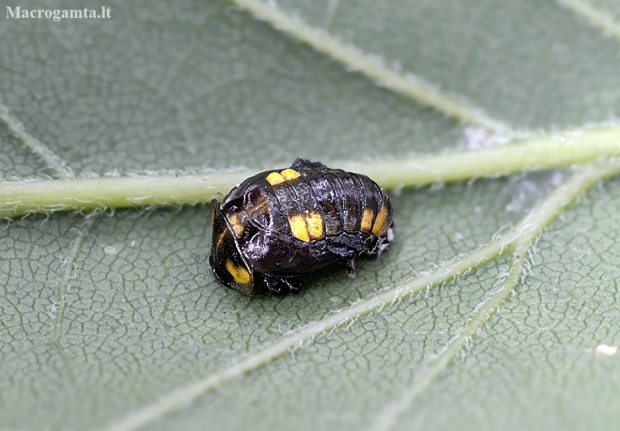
63	285
55	163
60	305
354	59
17	198
537	152
528	230
521	236
599	19
57	167
544	151
181	397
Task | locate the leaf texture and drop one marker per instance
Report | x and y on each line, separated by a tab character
113	320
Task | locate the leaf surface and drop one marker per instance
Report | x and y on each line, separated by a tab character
103	316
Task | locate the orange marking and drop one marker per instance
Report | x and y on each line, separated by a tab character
239	273
315	225
290	174
366	223
220	238
284	175
236	224
274	178
298	227
381	226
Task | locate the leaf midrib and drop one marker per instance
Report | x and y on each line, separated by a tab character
572	188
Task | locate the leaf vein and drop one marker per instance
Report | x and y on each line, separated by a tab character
544	151
601	20
49	158
63	286
527	231
521	236
408	84
182	396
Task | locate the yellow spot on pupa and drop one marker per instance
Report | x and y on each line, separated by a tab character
275	178
290	174
380	227
236	225
315	225
221	238
299	228
366	223
239	273
285	175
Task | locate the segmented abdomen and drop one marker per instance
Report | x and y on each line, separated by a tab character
340	201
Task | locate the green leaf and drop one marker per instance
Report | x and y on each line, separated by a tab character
496	306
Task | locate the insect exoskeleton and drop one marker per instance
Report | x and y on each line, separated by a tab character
278	226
